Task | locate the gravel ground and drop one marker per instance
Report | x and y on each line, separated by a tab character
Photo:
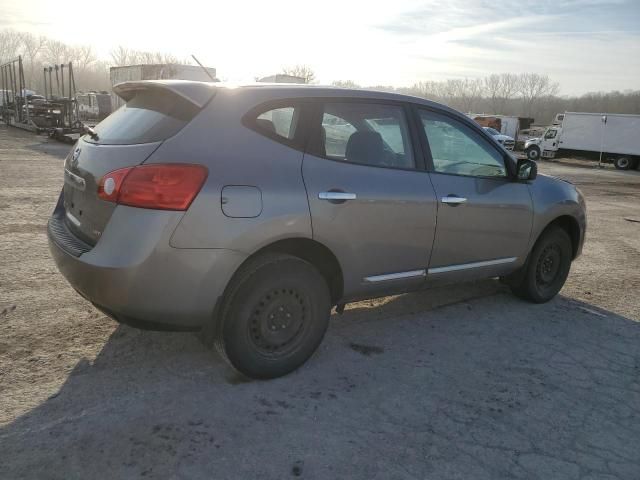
463	382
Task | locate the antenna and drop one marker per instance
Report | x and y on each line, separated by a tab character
203	68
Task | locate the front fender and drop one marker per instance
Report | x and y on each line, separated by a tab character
552	199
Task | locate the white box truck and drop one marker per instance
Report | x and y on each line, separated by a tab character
616	136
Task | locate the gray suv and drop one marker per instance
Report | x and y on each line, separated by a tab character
249	212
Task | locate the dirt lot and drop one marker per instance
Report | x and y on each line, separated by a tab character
465	382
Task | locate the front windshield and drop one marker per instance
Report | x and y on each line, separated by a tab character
492	131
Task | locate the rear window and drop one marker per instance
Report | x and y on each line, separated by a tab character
150	116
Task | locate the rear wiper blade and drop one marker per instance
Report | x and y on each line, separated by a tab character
90	131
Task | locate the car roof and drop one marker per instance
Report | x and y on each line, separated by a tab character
199	92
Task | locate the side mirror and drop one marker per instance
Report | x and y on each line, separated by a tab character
526	169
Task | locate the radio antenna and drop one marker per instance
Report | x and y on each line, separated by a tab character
203	68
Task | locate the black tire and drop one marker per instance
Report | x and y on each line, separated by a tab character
273	317
623	163
533	152
547	268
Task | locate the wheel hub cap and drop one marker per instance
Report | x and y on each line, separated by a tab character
548	265
278	320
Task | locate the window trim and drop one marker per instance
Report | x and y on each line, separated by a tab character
424	142
315	121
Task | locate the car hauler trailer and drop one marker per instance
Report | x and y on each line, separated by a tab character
615	136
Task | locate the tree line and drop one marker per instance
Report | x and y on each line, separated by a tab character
529	95
90	72
526	95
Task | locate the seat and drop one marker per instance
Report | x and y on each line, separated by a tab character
266	124
365	147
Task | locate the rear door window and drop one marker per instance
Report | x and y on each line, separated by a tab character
369	134
150	116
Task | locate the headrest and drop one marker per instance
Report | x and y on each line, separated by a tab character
365	147
266	124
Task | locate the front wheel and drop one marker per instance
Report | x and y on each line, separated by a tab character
273	317
547	268
533	152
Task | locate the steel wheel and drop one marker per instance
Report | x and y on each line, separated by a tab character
622	163
274	315
279	322
533	153
548	265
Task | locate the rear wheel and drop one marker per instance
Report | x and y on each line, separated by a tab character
623	163
533	152
547	268
273	317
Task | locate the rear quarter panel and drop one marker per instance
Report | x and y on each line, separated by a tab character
237	156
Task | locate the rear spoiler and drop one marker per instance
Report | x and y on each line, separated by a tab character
197	93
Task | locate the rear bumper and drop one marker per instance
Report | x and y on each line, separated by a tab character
136	277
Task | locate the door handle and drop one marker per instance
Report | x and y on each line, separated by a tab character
336	196
453	200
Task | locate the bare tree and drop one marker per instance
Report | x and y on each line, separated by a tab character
32	46
472	93
499	89
533	87
427	89
83	57
56	52
302	71
120	56
10	43
493	89
462	94
345	84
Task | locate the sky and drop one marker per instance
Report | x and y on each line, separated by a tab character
585	45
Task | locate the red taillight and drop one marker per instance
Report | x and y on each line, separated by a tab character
157	186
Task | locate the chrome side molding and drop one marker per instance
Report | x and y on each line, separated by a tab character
450	268
466	266
395	276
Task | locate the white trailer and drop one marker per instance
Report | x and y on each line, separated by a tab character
156	72
505	124
615	136
282	78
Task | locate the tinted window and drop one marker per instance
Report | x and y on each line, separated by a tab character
279	121
457	149
370	134
150	116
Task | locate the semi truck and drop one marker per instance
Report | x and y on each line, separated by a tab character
615	137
